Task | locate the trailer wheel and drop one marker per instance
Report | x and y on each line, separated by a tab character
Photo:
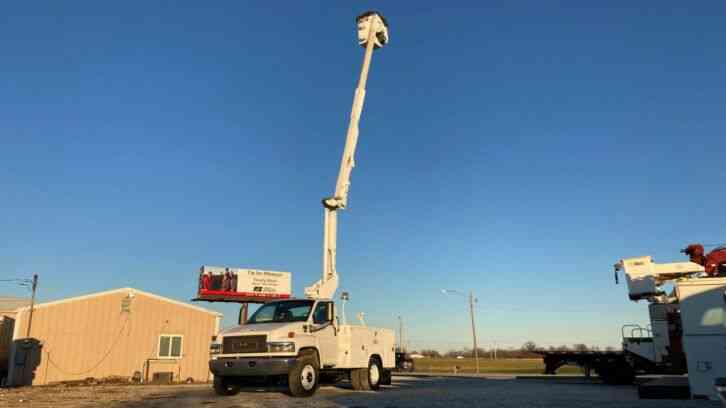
621	374
226	386
625	374
304	378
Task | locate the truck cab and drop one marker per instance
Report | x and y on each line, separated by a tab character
299	340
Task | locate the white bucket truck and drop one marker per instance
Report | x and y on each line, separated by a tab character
301	340
699	297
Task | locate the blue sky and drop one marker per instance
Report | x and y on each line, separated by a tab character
517	149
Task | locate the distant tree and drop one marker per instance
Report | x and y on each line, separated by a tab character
563	348
430	353
452	354
580	347
529	346
469	353
609	348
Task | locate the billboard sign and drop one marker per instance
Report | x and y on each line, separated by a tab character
243	285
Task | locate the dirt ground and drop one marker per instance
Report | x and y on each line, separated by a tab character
500	392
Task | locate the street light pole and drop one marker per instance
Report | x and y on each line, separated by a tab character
473	329
400	334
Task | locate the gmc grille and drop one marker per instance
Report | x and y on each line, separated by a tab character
244	344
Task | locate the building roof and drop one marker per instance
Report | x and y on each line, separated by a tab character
11	303
122	290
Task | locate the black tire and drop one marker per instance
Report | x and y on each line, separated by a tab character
386	378
616	379
226	386
625	375
618	375
367	379
359	379
375	374
304	378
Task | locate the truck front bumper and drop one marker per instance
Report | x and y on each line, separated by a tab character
251	366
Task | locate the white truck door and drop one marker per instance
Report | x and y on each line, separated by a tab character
325	334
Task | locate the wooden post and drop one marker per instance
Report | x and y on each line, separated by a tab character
473	330
32	304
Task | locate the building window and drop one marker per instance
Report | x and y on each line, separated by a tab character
170	346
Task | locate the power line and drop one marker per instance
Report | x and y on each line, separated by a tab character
108	353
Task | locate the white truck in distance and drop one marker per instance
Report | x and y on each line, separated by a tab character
301	340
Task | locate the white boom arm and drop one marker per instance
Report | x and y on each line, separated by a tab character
372	33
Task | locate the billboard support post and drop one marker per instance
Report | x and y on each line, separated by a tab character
243	313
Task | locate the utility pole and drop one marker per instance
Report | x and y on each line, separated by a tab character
400	335
473	329
472	300
34	286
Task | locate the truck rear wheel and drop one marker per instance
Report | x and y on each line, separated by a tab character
304	378
226	386
367	379
386	378
358	379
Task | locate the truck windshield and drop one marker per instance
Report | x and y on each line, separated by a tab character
282	312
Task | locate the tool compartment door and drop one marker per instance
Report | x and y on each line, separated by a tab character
703	306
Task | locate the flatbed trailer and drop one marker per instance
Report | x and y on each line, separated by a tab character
613	367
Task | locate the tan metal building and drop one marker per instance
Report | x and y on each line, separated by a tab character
9	305
124	332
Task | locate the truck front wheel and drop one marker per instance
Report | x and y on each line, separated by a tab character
304	378
226	386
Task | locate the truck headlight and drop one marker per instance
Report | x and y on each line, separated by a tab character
281	347
215	348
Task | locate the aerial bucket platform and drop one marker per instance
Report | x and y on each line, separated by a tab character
645	277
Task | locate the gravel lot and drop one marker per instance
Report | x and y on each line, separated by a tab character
405	392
